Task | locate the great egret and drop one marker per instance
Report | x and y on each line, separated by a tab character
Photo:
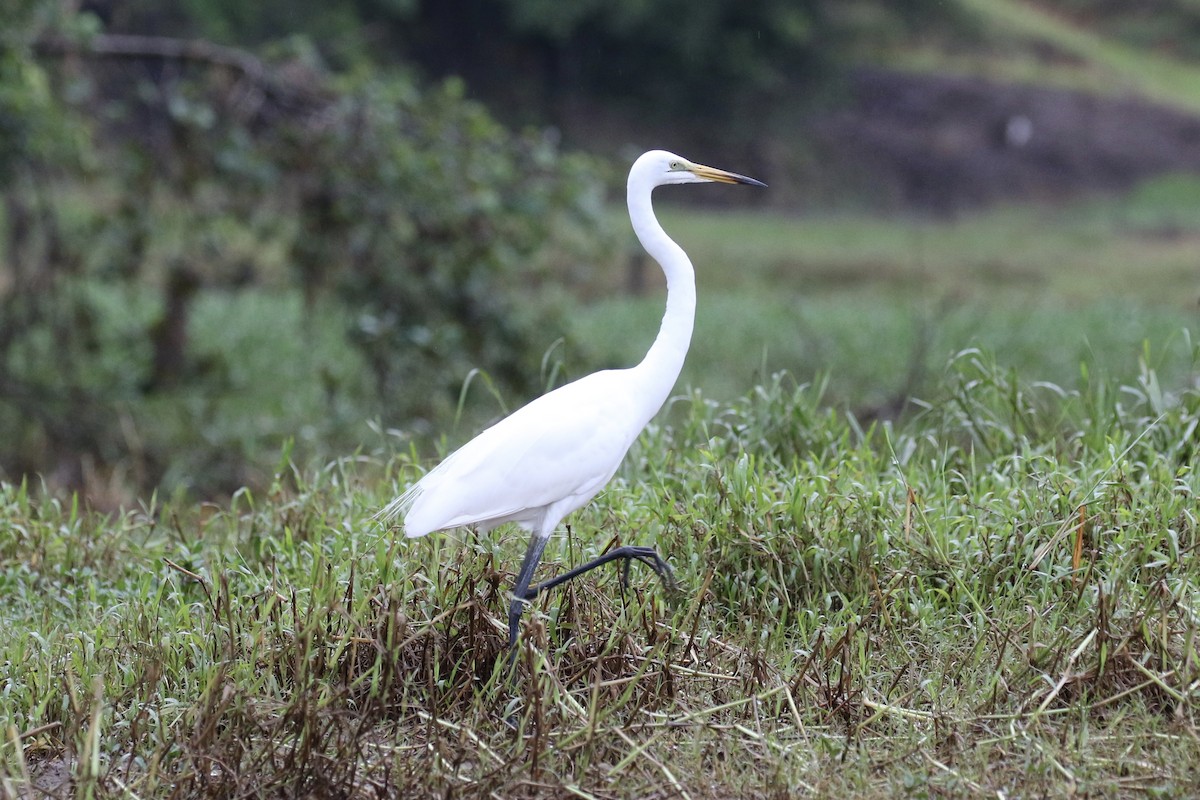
552	456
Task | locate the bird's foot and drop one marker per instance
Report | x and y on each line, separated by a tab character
650	557
628	554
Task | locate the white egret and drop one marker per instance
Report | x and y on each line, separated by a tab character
552	456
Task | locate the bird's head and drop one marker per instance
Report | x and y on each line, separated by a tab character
661	168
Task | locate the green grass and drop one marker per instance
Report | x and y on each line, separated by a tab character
991	593
1124	67
881	304
996	597
1114	50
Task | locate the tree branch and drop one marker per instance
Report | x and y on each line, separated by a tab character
292	92
123	45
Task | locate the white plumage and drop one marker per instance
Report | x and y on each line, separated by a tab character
559	451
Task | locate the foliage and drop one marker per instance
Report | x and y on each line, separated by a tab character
209	252
191	173
433	207
661	56
732	60
677	52
994	597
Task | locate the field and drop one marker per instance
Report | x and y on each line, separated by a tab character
989	590
881	305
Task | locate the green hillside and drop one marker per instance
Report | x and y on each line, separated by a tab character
1146	49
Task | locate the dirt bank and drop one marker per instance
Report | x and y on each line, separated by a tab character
939	143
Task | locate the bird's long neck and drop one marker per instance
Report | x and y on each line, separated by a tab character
660	368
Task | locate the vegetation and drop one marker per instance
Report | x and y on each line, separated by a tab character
1119	55
540	55
929	486
879	305
199	181
187	227
996	597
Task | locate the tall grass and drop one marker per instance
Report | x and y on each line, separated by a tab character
881	304
995	595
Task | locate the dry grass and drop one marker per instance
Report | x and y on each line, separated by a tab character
996	597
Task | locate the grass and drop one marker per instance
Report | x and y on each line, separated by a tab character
1134	69
1031	42
995	597
992	593
881	304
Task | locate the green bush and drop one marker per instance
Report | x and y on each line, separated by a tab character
364	242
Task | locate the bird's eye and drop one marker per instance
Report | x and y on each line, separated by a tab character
676	165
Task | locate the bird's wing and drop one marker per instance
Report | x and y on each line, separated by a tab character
566	444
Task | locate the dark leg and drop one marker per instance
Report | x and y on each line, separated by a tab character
521	591
646	555
520	596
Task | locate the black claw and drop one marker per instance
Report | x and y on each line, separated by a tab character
627	554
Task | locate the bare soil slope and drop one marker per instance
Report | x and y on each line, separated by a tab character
942	143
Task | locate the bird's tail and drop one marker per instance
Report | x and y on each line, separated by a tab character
400	506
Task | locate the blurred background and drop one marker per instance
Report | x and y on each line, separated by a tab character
234	233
